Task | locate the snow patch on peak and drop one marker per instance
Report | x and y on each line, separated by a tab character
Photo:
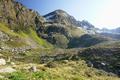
48	17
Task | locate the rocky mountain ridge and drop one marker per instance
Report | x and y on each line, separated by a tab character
62	17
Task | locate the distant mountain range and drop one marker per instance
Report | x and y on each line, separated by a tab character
62	17
112	31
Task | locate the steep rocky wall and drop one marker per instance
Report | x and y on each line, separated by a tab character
17	15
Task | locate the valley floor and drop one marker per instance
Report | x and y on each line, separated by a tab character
30	67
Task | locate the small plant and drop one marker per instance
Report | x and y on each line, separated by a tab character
17	76
41	75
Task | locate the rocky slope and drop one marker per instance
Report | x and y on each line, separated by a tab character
62	17
102	58
17	15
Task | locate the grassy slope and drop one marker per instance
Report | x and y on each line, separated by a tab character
39	40
6	30
25	36
77	32
72	70
87	40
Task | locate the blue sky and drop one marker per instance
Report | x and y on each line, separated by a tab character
101	13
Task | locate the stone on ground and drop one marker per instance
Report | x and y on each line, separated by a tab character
7	70
2	61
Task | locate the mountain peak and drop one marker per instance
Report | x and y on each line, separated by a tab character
60	11
61	16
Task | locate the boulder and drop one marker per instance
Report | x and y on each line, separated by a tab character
2	61
33	69
89	64
7	70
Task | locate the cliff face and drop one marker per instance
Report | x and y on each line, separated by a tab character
15	14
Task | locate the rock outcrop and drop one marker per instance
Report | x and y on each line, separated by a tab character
17	15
